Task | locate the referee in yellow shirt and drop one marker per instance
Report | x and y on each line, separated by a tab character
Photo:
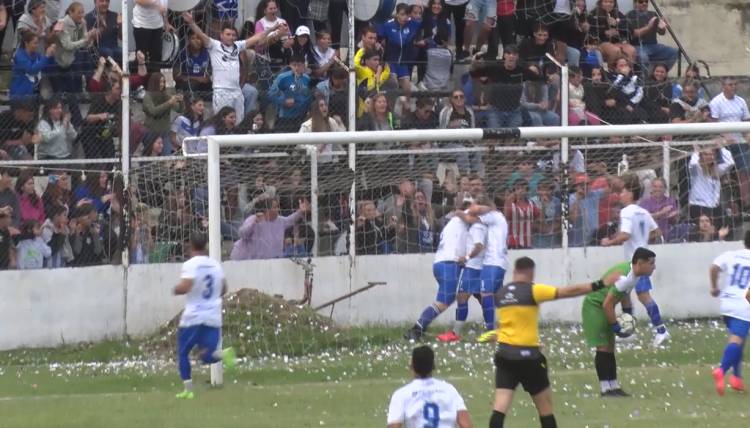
518	358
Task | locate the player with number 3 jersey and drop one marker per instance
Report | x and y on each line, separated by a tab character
735	268
427	402
203	284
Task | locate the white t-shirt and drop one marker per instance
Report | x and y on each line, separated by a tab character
225	63
148	17
203	302
452	241
725	110
735	266
496	251
477	235
638	223
626	284
425	403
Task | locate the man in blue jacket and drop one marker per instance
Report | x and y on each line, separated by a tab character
399	34
291	94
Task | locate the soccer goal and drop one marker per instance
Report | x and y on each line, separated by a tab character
384	192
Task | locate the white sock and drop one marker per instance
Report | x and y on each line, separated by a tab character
218	354
458	326
614	384
188	384
604	384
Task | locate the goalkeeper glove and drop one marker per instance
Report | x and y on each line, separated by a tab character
617	329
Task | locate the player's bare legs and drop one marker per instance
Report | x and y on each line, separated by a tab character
543	403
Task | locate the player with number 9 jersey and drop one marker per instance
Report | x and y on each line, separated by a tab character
734	306
427	402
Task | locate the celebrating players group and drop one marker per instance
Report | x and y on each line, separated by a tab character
471	261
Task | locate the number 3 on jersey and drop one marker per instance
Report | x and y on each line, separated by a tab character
208	282
431	415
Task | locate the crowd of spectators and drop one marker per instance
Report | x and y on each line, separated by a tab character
282	72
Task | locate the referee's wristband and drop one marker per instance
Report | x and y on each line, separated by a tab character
597	285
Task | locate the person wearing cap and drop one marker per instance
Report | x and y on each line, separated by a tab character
584	211
302	46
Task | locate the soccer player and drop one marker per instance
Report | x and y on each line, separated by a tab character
446	268
426	401
735	307
203	284
636	228
600	322
225	61
518	358
470	282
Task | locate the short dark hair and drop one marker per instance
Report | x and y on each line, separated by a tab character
230	26
423	361
643	254
298	58
84	210
368	29
55	210
747	239
633	184
338	72
402	7
198	241
524	263
369	53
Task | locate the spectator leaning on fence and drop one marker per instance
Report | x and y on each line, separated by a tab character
31	250
704	195
262	234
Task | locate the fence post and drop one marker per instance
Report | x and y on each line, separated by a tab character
564	168
125	158
314	209
352	127
666	163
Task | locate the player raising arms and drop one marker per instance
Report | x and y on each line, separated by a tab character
518	358
446	268
636	228
735	307
599	319
203	284
426	401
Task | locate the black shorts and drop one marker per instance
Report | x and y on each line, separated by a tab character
531	373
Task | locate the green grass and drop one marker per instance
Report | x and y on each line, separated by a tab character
114	385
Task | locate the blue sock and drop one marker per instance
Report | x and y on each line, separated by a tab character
732	355
462	311
737	366
428	315
628	310
653	313
488	311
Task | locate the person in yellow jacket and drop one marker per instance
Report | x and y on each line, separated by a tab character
371	76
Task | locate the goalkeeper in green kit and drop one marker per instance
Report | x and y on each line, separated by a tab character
599	320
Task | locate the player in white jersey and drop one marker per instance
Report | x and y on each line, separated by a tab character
470	282
735	307
203	284
446	268
426	401
637	227
225	62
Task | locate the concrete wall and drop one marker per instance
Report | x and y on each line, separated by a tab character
49	308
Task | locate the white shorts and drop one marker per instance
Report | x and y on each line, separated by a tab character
232	98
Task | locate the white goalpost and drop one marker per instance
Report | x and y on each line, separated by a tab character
311	141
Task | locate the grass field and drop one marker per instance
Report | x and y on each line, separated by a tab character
113	385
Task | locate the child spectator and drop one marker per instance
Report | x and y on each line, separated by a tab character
27	68
521	215
188	124
7	249
324	55
56	132
141	241
85	239
108	24
158	106
371	76
291	94
31	205
191	70
627	90
55	233
399	34
31	249
547	233
94	190
102	124
374	236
